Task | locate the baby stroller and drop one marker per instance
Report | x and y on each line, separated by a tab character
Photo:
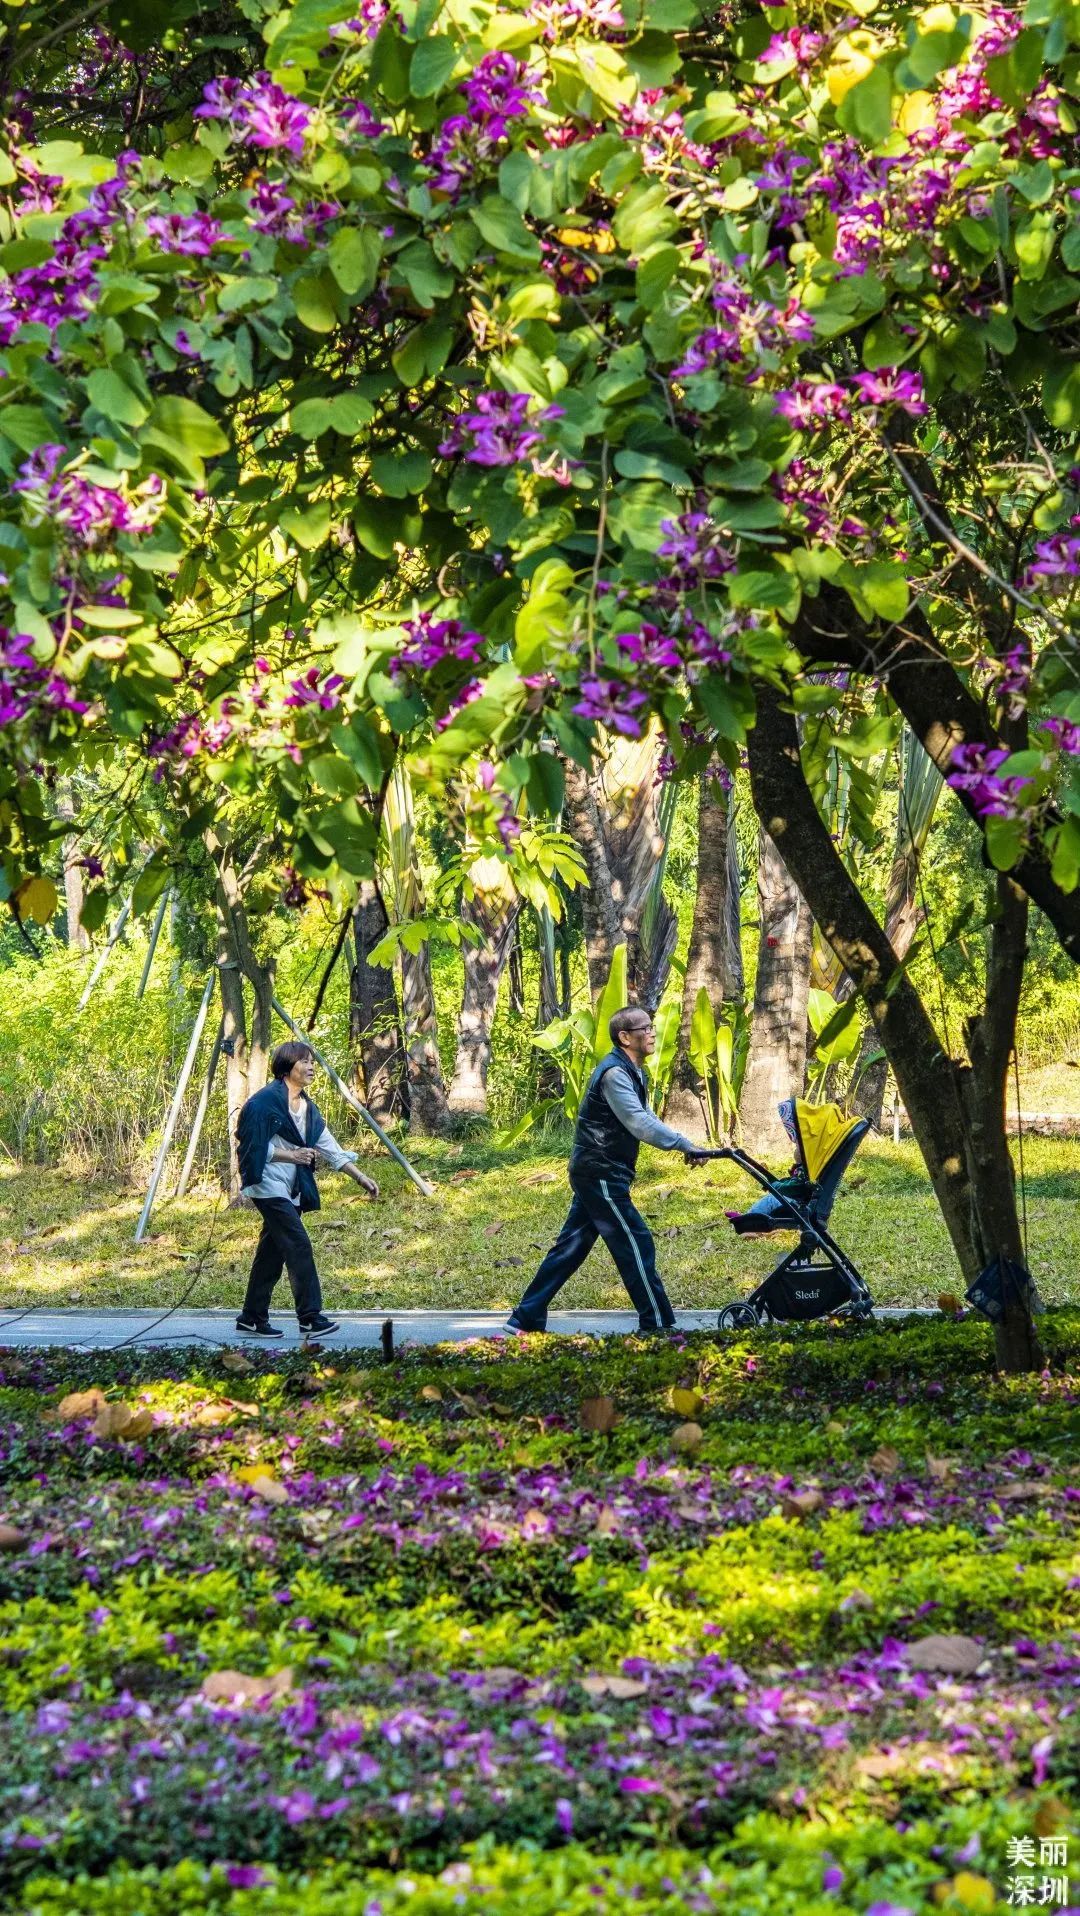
817	1278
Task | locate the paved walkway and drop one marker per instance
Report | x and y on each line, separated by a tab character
103	1330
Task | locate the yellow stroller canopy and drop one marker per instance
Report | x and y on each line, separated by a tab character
820	1131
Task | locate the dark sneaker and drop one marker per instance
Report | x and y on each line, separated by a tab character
522	1330
321	1326
657	1330
254	1327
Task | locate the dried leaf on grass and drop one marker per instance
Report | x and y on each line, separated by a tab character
607	1521
940	1467
236	1361
81	1403
801	1503
460	1177
11	1538
622	1688
887	1460
541	1177
687	1436
950	1304
227	1686
497	1224
951	1655
598	1413
431	1394
121	1420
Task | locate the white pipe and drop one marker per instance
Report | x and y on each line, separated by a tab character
152	947
174	1109
200	1111
355	1105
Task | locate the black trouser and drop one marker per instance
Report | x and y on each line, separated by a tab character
283	1244
601	1207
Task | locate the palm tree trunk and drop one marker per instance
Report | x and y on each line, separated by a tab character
711	961
375	1039
615	820
493	910
776	1067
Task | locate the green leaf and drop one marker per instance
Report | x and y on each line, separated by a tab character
432	64
502	226
258	290
358	742
313	297
866	110
114	397
307	529
187	425
644	218
546	784
400	473
1004	842
332	775
655	274
425	276
1061	396
884	588
378	525
26	426
613	997
353	257
703	1036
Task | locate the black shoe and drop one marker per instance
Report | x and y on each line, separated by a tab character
254	1327
321	1326
657	1330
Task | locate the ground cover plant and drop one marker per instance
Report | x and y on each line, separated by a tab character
545	1625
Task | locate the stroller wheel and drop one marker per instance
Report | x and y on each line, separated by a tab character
737	1317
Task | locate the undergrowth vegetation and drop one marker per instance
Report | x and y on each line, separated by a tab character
541	1625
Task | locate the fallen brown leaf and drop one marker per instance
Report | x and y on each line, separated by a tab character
687	1436
541	1177
619	1687
81	1403
431	1394
951	1655
607	1521
236	1361
598	1413
1051	1815
497	1224
940	1467
459	1177
142	1423
11	1538
887	1460
950	1304
801	1503
227	1686
269	1490
112	1420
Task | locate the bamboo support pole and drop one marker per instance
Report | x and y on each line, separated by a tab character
174	1109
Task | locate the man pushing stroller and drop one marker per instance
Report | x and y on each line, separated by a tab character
613	1122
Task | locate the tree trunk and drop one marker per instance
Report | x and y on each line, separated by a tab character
776	1066
903	917
601	920
74	887
428	1110
614	820
515	972
710	962
923	1072
493	910
375	1039
549	1079
982	1085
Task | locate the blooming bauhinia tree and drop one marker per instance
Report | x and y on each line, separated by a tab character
567	367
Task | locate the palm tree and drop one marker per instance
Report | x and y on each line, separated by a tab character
776	1067
714	960
490	906
620	826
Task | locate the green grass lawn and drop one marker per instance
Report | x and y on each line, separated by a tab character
68	1240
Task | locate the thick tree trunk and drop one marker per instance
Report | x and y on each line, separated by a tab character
74	887
493	910
923	1072
776	1066
711	960
375	1040
428	1110
982	1085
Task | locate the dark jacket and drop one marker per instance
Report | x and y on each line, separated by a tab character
604	1148
266	1116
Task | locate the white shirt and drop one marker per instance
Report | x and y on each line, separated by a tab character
279	1175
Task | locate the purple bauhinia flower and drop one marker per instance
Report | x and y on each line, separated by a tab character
613	703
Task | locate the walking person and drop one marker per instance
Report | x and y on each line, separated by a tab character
281	1134
613	1121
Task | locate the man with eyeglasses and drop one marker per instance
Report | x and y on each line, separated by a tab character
613	1121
